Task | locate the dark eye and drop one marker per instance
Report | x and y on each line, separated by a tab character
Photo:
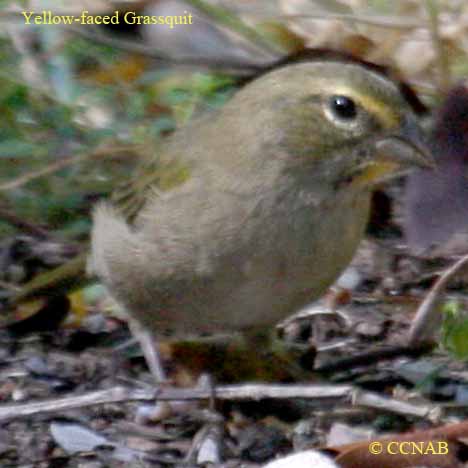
343	107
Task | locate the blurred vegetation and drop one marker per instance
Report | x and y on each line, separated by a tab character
82	131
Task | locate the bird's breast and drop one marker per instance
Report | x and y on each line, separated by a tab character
294	263
284	259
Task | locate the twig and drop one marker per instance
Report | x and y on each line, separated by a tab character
378	402
248	392
57	166
372	357
21	224
427	319
50	169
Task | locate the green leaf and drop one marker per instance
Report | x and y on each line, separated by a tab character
455	330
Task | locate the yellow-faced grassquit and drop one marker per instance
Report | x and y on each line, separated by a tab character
265	202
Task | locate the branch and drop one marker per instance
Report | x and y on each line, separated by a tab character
250	392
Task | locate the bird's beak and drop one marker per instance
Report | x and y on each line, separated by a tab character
405	148
394	153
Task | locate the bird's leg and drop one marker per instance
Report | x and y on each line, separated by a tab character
150	352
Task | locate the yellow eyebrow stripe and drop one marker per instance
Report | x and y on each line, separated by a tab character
382	111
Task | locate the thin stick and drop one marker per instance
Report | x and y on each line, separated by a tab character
21	224
251	392
59	165
428	318
49	169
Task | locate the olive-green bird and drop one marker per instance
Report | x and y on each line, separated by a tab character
256	208
272	201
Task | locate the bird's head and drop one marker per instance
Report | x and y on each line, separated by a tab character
345	120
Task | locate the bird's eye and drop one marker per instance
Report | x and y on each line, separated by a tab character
343	107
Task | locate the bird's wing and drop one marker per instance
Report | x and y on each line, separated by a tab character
159	170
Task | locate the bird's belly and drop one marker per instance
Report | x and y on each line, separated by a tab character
280	286
265	287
